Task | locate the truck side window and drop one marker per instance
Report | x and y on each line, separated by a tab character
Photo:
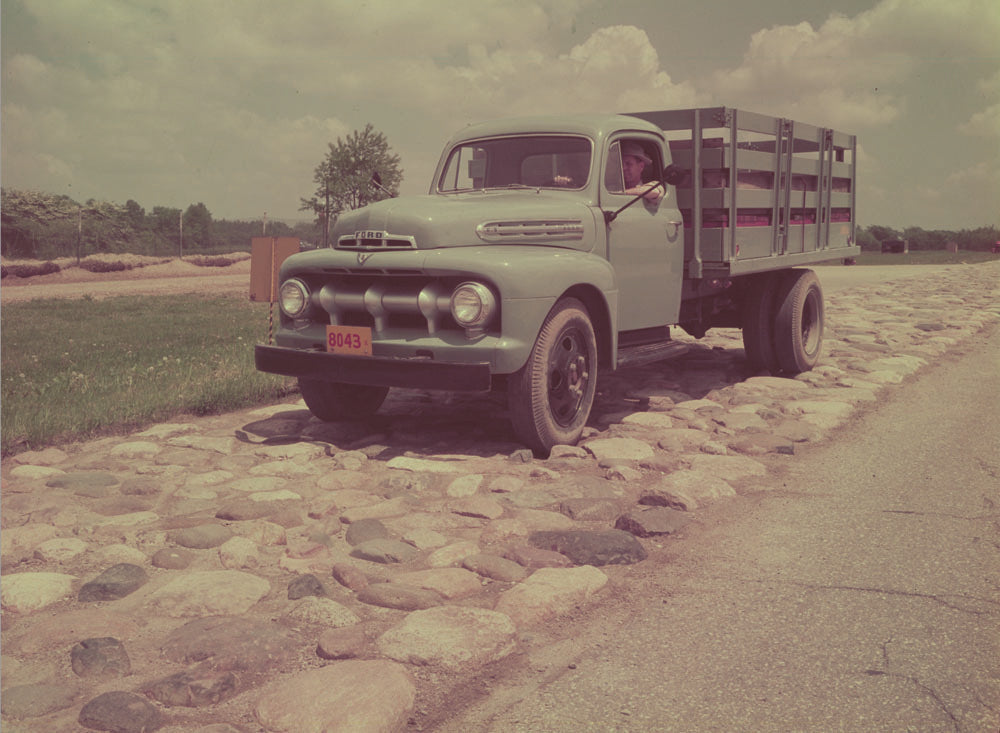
625	157
613	180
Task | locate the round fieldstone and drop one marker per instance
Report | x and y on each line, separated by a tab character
495	567
116	582
172	558
209	593
452	637
324	611
242	511
203	537
652	522
100	657
345	643
384	551
26	592
592	510
232	645
120	712
32	701
83	482
365	530
349	576
193	688
399	596
305	585
353	695
60	549
608	547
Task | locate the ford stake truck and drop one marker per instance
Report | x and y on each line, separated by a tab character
534	262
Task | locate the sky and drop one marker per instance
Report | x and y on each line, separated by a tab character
232	103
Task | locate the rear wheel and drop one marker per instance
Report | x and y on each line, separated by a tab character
798	322
551	396
332	401
758	323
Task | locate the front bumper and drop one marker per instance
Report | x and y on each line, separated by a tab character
377	371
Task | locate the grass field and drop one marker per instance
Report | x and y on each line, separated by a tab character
75	369
929	257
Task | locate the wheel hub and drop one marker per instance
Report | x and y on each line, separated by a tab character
569	374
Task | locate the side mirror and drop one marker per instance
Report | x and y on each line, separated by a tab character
672	175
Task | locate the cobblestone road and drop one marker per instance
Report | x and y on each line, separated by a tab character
264	571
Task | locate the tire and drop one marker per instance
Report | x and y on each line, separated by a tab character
758	323
798	322
551	396
333	401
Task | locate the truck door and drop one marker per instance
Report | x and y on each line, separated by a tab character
646	240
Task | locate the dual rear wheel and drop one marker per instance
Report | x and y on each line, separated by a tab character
783	321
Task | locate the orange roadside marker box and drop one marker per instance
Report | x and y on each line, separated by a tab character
266	256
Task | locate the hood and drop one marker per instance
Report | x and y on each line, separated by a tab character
471	219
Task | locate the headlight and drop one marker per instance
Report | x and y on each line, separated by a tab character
472	305
294	297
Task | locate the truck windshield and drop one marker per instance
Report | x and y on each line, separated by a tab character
536	161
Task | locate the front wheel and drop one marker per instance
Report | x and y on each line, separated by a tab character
333	401
550	397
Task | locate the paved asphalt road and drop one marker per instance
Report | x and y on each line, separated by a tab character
859	590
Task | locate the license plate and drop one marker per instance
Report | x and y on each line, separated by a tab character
356	340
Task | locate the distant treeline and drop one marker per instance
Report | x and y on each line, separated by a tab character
46	226
967	240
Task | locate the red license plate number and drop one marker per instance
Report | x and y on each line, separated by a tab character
353	340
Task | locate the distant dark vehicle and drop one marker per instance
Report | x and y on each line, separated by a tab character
895	246
996	249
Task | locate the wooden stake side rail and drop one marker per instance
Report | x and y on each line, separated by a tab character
763	192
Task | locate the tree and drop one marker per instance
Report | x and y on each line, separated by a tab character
198	226
882	233
344	177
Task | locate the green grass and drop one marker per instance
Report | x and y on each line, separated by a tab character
76	369
926	257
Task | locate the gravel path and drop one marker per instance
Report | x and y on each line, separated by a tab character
262	570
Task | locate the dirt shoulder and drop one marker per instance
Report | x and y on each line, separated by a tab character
164	278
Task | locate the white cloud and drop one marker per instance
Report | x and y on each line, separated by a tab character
233	103
984	124
849	72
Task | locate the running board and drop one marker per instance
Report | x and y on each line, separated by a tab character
648	353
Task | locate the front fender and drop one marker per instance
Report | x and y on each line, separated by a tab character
530	280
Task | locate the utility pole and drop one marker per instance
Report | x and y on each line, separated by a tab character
79	232
180	238
263	228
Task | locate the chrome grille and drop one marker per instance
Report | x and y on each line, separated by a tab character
384	303
375	241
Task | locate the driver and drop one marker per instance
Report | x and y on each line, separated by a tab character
634	162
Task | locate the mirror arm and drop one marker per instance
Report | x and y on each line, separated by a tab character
610	216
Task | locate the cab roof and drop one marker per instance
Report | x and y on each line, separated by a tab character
595	126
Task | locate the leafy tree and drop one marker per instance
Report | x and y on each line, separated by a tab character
344	178
198	227
883	233
866	240
135	215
